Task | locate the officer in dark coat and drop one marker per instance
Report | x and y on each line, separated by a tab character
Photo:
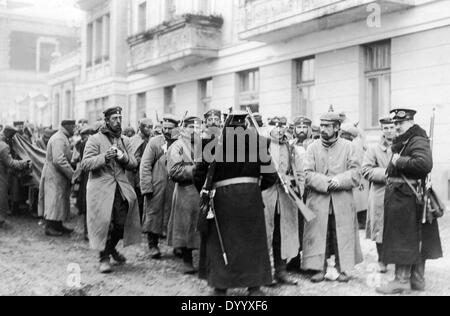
407	242
240	213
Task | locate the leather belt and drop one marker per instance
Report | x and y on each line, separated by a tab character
400	180
235	181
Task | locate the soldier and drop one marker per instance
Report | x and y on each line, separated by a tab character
238	206
280	212
186	200
373	169
360	193
7	163
332	171
139	143
42	142
213	121
156	186
407	242
112	208
18	189
54	201
85	133
302	132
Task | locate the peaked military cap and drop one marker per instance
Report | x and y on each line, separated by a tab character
401	114
302	120
87	130
213	113
170	118
17	123
276	121
386	120
192	120
68	122
116	110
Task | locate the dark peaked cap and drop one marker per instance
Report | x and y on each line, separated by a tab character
401	114
112	111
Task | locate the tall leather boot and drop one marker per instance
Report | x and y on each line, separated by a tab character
418	277
401	283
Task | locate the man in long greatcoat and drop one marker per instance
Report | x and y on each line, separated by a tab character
407	241
282	215
56	181
138	144
238	207
332	171
7	164
373	169
156	187
186	200
112	207
303	138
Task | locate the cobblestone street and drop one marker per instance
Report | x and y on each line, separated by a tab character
33	264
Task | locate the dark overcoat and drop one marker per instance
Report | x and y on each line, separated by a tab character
405	238
240	214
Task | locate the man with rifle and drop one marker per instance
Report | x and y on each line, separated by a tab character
332	171
234	252
407	241
281	213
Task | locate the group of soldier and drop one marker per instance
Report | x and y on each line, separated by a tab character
288	204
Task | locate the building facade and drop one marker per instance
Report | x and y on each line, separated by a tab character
280	57
29	39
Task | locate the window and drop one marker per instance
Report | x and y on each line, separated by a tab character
249	89
170	10
57	109
304	86
141	105
95	108
169	99
378	81
107	41
206	90
98	41
142	17
89	44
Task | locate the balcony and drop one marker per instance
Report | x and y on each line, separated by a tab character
276	20
186	40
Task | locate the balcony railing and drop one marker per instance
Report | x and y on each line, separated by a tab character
272	20
183	41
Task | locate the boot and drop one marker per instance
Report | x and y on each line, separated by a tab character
51	229
343	278
283	278
294	265
154	251
401	283
188	262
418	277
118	258
382	268
255	291
105	263
63	229
319	277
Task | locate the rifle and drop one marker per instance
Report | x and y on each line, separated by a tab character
287	186
207	210
433	205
